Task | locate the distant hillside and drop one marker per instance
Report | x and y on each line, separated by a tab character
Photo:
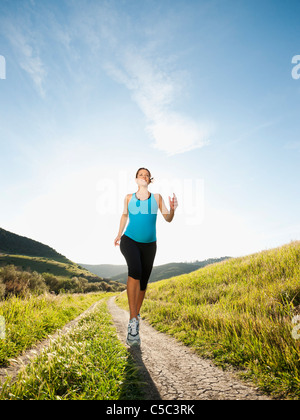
11	243
105	270
119	272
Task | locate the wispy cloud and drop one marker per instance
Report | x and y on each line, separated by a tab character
155	90
102	36
141	63
175	133
27	52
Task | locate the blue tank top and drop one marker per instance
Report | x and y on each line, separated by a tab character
142	219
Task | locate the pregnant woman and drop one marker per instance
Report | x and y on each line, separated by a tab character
138	244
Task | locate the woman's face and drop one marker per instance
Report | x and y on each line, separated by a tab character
143	178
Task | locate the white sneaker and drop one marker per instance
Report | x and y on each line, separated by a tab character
139	322
133	337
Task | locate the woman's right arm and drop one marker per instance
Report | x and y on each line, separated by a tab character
123	220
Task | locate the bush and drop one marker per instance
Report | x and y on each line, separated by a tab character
14	281
52	282
2	290
37	283
17	282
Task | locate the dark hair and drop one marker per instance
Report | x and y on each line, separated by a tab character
150	178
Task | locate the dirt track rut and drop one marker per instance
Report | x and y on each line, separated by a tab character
172	371
23	360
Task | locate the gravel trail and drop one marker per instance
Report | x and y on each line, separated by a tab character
172	371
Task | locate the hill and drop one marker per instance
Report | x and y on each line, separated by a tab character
166	271
241	312
11	243
46	265
105	270
25	260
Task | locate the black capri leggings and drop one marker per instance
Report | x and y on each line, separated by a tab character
139	257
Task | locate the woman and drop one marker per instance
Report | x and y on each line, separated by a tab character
138	244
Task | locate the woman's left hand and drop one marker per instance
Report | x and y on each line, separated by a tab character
173	202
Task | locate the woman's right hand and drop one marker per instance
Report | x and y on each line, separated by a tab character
117	240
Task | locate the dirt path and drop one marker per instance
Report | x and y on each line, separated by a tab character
173	372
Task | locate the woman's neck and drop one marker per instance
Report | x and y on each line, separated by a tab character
143	191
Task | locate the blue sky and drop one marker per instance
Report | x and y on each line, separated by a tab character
200	92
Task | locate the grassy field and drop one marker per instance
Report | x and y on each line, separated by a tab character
89	363
32	319
239	313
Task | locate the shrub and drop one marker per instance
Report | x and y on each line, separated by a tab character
2	290
15	281
19	283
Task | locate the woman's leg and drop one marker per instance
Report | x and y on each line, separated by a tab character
140	300
130	250
148	252
133	291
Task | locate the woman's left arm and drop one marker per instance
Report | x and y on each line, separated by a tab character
168	215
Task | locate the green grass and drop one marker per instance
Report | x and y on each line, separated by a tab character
239	313
45	265
89	363
32	319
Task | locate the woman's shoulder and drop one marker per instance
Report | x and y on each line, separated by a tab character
157	197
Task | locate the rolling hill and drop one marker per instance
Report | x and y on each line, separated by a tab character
165	271
11	243
29	255
46	265
105	270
